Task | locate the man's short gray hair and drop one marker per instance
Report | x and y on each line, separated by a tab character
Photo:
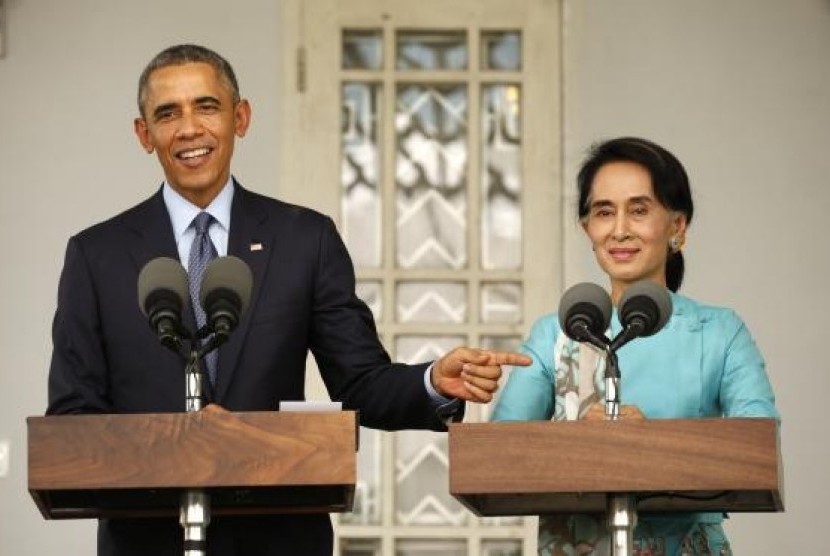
187	54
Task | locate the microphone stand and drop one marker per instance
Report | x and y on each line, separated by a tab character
194	509
648	309
228	292
621	508
612	384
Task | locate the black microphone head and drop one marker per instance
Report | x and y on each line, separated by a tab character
162	280
648	302
226	289
582	306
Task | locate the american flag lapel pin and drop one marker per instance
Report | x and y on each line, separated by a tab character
256	246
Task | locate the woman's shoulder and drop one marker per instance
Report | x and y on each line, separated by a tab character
707	316
546	325
544	334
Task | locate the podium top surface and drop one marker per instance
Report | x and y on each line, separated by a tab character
95	465
669	464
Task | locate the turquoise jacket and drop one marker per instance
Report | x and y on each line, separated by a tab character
704	363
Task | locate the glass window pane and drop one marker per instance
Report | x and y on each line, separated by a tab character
421	463
367	496
501	302
431	176
362	49
430	547
429	302
501	50
418	349
422	487
359	173
371	292
505	521
431	50
501	548
501	172
359	547
501	343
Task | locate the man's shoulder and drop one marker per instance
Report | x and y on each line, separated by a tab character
131	218
281	210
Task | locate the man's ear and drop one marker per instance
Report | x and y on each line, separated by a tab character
241	117
140	128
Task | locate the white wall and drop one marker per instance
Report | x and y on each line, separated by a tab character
740	90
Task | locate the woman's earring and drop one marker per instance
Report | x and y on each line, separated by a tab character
675	244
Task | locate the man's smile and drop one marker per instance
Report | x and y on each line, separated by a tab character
193	157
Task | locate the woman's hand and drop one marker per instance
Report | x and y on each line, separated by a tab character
597	412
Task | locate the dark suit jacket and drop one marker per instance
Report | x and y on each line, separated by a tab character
106	359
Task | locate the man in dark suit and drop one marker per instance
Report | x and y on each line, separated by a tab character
107	360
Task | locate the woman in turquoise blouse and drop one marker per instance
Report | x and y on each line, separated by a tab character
635	205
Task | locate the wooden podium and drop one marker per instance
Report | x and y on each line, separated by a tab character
90	466
542	467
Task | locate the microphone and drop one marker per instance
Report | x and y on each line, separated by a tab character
224	294
162	296
645	308
584	314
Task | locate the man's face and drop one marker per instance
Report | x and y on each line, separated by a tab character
190	120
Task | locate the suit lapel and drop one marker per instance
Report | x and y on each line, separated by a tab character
252	241
152	236
148	235
151	233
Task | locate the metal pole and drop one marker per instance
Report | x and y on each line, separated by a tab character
612	385
194	516
193	377
622	508
612	398
194	511
622	519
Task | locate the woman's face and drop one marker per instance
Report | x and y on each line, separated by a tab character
628	227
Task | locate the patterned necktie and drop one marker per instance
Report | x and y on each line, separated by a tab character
202	252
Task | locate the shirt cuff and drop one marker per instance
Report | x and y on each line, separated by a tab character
449	410
436	398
